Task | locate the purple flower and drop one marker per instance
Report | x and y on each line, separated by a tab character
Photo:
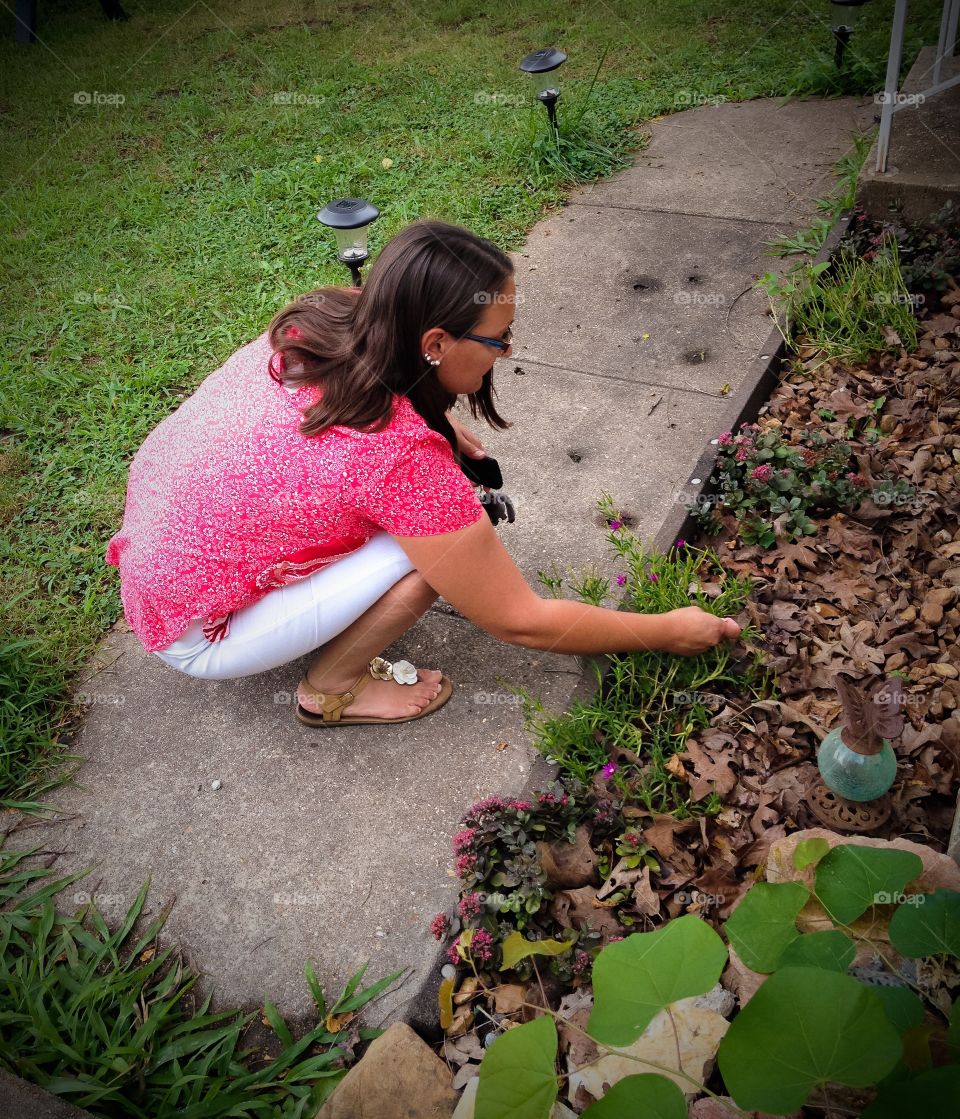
621	579
681	543
654	577
608	771
614	525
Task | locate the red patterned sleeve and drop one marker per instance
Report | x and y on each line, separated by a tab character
417	490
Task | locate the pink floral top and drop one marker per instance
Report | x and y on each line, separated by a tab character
227	500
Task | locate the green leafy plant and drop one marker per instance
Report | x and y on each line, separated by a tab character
650	703
929	251
772	488
847	308
848	169
810	1025
109	1020
504	914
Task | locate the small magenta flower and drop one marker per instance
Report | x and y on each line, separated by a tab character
452	954
608	771
681	543
762	473
621	579
614	525
481	946
654	577
439	926
581	962
465	864
463	840
471	905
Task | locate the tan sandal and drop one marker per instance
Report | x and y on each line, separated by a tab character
333	703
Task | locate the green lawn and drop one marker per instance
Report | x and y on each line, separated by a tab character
146	240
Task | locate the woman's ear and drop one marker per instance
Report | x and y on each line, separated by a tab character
431	343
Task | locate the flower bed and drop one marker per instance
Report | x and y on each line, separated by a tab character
833	534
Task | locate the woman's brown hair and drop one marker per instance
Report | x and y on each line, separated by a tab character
361	348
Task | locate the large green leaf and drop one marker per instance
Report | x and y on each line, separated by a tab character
933	1094
516	947
802	1028
904	1009
809	851
831	949
850	879
649	1095
635	978
518	1078
765	922
928	925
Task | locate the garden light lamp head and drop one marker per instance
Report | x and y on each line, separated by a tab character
542	66
846	13
350	218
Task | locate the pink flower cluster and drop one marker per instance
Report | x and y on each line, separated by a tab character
725	439
440	926
465	864
581	962
471	905
548	799
481	947
762	473
463	840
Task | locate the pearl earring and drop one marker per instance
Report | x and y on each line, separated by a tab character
431	360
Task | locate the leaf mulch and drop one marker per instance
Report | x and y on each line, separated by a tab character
875	591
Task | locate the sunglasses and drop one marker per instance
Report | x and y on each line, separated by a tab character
503	343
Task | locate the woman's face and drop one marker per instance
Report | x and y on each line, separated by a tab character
464	362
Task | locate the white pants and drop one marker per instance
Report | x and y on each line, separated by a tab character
291	621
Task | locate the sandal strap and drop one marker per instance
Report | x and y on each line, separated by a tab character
333	703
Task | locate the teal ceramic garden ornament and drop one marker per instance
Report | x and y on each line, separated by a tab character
856	759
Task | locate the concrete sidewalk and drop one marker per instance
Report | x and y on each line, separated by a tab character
637	310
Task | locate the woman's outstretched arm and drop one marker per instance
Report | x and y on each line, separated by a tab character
473	571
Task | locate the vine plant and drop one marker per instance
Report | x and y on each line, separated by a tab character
809	1025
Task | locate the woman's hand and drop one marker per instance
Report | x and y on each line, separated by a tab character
468	444
691	630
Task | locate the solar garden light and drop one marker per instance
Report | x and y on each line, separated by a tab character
349	218
843	31
541	66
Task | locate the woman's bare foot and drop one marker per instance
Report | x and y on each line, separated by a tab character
385	699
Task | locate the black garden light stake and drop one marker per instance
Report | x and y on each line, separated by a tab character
541	66
843	31
349	218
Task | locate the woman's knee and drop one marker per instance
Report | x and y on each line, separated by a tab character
413	589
